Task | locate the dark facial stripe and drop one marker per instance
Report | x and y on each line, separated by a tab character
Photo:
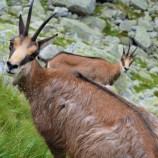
29	58
123	62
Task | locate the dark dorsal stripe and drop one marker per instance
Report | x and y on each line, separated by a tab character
63	52
145	120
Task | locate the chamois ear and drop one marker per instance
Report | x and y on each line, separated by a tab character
21	25
44	42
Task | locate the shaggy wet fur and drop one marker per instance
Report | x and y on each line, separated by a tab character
84	120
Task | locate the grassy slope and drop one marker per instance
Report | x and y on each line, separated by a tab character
18	136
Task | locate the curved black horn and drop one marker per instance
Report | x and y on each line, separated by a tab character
133	52
21	25
28	19
41	27
128	48
124	52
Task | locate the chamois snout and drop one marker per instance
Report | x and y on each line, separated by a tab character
10	68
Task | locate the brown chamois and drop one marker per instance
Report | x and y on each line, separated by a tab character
94	68
77	116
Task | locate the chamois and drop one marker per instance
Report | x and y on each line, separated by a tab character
76	116
94	68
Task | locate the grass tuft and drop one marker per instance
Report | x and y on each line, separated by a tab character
18	136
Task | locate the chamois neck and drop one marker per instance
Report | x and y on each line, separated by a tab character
30	81
116	70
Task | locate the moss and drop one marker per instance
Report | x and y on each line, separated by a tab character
145	83
108	30
128	11
44	4
9	2
98	9
142	64
156	93
61	41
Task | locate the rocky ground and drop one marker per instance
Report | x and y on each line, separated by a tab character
92	28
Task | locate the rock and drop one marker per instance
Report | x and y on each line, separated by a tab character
156	24
61	11
126	2
3	6
80	7
14	2
49	51
146	76
103	1
127	25
146	22
111	39
16	10
35	25
80	29
120	15
1	67
142	38
94	22
9	18
74	16
109	13
139	4
131	34
153	34
154	70
86	50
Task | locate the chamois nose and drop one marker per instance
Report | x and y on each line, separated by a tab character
126	69
11	66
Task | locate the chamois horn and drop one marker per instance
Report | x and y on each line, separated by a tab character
132	54
128	49
21	25
41	27
28	19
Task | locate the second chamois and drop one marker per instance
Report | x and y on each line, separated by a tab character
94	68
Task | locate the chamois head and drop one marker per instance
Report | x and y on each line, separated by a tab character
23	48
127	59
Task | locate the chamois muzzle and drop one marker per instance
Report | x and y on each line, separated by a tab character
11	67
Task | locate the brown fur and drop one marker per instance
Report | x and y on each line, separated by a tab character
96	69
85	120
75	115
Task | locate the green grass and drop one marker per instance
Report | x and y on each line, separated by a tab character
145	83
18	136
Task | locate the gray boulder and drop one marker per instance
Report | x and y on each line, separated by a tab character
48	52
127	25
61	11
3	6
142	38
80	7
146	22
139	4
94	22
83	31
